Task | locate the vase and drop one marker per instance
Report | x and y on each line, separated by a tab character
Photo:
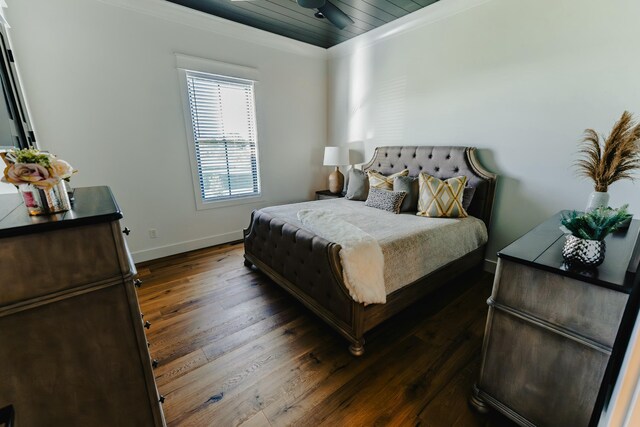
45	201
588	253
597	199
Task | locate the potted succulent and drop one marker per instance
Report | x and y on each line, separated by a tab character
607	160
585	245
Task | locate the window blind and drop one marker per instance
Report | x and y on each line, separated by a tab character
224	130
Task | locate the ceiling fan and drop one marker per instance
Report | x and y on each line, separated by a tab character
325	9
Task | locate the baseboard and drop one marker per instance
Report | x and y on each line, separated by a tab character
490	266
189	245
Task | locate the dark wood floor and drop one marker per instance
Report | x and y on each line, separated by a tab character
235	349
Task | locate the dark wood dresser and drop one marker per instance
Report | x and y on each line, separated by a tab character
73	350
551	329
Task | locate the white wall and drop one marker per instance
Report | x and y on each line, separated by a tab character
101	82
520	80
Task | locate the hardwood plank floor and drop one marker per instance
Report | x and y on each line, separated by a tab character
235	349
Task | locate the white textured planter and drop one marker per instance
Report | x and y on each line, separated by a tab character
597	199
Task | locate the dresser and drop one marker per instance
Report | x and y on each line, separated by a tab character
73	350
551	329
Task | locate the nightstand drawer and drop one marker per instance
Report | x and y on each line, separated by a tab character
591	311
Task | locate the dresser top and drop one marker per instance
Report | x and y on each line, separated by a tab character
542	248
92	205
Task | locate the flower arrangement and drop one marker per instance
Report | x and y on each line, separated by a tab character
31	166
597	224
607	160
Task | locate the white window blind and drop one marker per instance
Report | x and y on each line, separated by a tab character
224	130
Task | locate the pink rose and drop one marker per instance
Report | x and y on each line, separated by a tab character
29	173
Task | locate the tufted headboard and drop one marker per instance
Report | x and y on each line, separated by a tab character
441	162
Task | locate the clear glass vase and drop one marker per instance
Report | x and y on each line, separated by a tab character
45	201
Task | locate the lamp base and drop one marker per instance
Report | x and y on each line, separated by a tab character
336	181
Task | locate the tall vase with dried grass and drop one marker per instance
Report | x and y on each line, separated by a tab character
610	159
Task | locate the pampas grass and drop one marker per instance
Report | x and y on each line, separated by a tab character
607	160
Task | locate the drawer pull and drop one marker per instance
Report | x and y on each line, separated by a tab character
154	363
161	400
126	231
147	324
142	315
148	344
137	283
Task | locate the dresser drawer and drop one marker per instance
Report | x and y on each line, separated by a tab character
40	264
590	311
76	362
548	379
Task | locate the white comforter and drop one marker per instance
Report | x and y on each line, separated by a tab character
360	254
412	246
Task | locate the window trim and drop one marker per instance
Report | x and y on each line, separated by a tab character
200	65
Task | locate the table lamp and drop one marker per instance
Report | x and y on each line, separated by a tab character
336	156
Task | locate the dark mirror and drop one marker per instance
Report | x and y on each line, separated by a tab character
15	130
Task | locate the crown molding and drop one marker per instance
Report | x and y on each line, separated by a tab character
435	12
168	11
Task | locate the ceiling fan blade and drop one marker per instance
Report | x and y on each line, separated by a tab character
336	16
311	4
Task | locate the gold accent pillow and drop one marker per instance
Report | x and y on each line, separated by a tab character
377	180
441	199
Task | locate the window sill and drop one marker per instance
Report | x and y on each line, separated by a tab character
215	204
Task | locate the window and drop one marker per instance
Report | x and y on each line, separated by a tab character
222	113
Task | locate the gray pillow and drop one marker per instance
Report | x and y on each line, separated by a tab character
409	185
467	196
358	185
386	200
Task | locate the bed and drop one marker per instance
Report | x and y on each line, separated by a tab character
308	266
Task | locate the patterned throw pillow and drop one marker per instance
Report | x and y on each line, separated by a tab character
377	180
441	199
385	199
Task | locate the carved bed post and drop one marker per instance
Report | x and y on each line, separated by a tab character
357	347
246	233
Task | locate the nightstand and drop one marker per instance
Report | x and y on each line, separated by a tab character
326	194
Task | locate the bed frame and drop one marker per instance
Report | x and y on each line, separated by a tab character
308	266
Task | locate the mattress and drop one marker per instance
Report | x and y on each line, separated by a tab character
413	246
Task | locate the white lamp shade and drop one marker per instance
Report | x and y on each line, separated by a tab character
336	156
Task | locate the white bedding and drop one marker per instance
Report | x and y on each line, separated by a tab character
412	246
360	254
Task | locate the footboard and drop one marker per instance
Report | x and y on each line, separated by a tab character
308	267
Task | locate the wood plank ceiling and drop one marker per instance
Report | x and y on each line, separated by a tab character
287	18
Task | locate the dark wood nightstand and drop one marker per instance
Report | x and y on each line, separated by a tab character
326	194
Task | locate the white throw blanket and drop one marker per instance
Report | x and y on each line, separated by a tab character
361	256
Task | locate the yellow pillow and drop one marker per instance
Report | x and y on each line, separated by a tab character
377	180
441	199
